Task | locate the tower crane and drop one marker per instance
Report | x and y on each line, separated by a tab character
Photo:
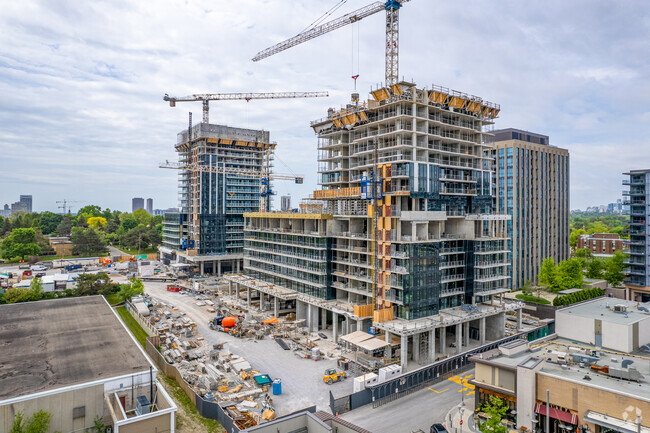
65	205
207	97
391	7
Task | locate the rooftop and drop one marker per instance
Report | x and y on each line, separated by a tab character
573	371
56	343
603	309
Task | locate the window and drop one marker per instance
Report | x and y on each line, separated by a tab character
79	412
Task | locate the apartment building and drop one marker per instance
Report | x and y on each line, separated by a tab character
531	184
221	172
406	231
601	244
638	271
591	376
137	203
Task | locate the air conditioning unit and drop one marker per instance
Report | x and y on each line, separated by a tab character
620	308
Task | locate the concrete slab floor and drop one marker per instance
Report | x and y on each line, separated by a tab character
302	379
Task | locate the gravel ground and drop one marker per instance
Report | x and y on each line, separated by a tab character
302	382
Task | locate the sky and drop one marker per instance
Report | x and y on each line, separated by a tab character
81	84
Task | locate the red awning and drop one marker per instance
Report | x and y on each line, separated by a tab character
557	414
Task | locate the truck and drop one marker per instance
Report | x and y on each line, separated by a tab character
70	268
173	288
331	376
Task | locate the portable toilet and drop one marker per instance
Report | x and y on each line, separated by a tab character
277	387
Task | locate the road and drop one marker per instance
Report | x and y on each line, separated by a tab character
302	379
114	251
418	410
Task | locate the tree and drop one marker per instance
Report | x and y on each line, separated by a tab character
496	410
570	275
138	237
94	284
130	290
6	227
49	222
37	423
65	226
99	425
127	222
584	253
96	222
91	210
595	268
87	241
614	269
573	237
548	273
20	243
25	294
142	217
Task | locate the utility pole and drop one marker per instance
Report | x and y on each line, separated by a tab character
548	412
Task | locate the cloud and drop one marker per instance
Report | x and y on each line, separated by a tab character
82	115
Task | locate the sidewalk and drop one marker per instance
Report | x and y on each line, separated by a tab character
452	420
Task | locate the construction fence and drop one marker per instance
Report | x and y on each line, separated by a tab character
144	323
423	377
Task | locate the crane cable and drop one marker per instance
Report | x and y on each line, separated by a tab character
325	15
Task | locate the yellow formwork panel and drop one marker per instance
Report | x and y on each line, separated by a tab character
225	141
438	97
387	222
457	102
380	94
474	107
371	210
363	116
388	200
337	122
213	140
396	89
485	111
380	224
494	113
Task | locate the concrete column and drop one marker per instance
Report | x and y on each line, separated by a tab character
387	337
248	296
345	324
237	291
301	310
403	352
308	317
276	306
335	327
466	334
262	301
443	340
459	335
482	330
202	272
416	347
237	265
219	267
520	313
432	345
229	287
323	319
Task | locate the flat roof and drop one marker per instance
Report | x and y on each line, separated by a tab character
603	309
56	343
573	372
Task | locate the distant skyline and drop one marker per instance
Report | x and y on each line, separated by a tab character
82	116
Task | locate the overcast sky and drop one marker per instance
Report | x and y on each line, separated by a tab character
81	84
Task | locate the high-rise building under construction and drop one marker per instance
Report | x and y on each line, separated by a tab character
221	172
406	231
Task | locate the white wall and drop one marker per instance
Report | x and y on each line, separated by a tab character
574	327
644	331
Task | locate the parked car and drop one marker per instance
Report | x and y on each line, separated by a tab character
438	428
39	274
38	268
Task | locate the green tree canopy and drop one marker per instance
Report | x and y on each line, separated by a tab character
548	273
37	423
130	290
614	269
595	268
87	241
49	221
496	410
20	243
91	211
65	226
94	284
570	275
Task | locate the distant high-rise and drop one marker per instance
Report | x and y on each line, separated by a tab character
532	185
18	206
150	206
6	211
27	200
638	275
137	203
285	203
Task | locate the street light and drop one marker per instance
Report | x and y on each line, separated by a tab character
461	410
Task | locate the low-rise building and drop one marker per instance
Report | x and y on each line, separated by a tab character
593	375
602	244
74	358
61	244
308	422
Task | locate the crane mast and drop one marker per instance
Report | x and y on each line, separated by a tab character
391	7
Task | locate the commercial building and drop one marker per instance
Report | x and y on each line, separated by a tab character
6	211
162	212
285	203
223	169
595	371
638	271
150	206
307	422
73	358
27	200
531	185
406	242
602	244
137	203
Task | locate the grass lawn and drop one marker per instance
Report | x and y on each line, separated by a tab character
134	251
531	298
182	399
113	299
133	326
